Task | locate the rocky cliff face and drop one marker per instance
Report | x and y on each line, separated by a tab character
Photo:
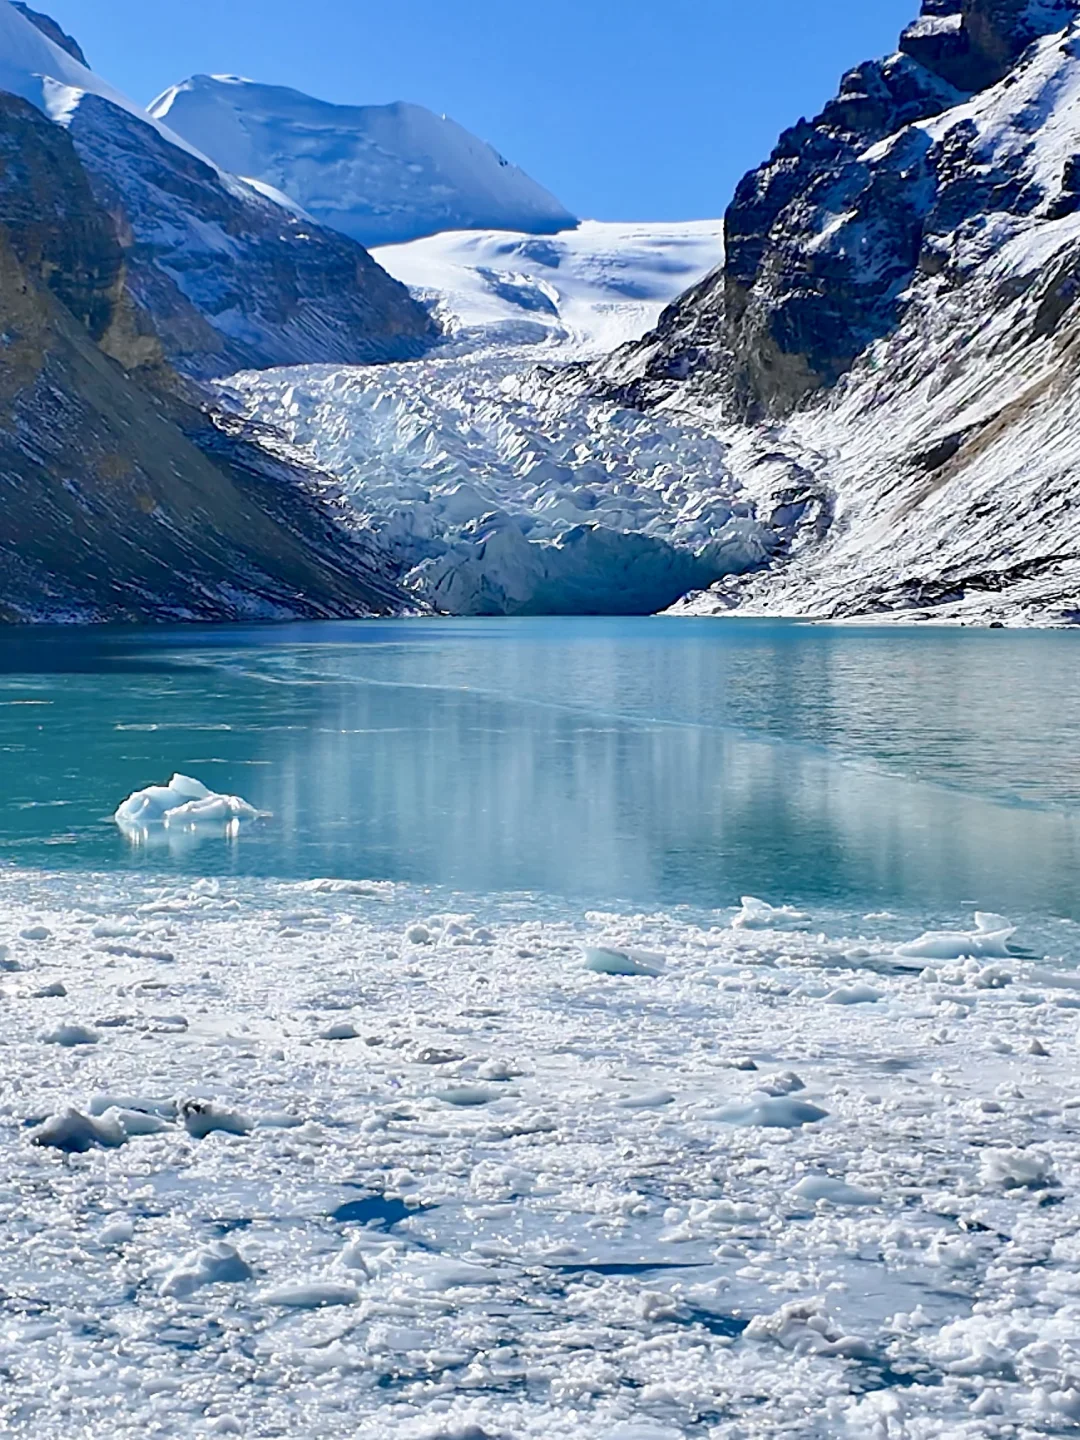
122	500
825	239
227	278
49	28
923	458
224	275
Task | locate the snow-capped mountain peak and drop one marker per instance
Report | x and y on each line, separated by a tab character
52	78
382	174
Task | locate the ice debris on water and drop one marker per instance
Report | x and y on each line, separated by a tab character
183	804
1017	1170
607	960
772	1112
75	1133
202	1117
760	915
988	941
215	1264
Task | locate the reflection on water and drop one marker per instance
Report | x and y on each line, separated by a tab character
642	761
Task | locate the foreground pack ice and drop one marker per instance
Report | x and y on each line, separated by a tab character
531	1199
184	804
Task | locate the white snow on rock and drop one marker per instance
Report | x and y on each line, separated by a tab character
379	173
32	66
182	804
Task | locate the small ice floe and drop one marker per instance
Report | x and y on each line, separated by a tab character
759	915
310	1295
182	804
1017	1170
853	995
8	962
784	1082
135	1104
607	960
467	1096
202	1117
367	889
70	1036
216	1264
115	1233
646	1100
815	1188
988	941
75	1133
35	932
771	1112
340	1030
56	991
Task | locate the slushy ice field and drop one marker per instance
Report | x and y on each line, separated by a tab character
608	1031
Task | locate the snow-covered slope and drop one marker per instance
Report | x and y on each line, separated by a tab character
43	72
380	173
218	275
586	290
897	319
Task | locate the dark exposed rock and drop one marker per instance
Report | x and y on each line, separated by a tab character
121	499
227	279
824	239
48	27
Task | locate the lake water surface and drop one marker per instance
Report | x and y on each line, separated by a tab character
640	762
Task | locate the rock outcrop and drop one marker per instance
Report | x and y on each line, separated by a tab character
49	28
225	274
825	239
121	499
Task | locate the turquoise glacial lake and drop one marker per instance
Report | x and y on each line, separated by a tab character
633	762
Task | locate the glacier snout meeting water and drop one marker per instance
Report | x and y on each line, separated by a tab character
495	482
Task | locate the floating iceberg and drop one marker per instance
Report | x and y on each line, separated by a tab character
988	941
183	804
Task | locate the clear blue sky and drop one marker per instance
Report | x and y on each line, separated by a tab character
626	109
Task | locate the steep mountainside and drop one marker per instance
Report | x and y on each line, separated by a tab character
380	173
120	500
223	275
890	350
48	26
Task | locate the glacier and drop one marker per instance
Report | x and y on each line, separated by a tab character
381	174
494	490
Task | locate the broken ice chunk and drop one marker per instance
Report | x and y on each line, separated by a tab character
184	804
606	960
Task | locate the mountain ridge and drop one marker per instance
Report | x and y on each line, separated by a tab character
382	174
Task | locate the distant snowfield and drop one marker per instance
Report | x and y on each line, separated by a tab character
497	491
587	290
365	1161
